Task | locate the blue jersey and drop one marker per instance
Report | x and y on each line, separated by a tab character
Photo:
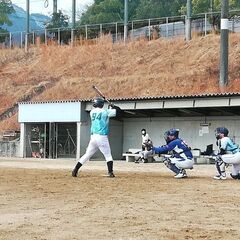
100	120
178	146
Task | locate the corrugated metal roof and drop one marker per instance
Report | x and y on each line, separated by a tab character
229	94
55	101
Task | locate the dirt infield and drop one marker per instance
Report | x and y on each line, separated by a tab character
40	200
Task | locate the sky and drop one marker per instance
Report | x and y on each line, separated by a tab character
37	6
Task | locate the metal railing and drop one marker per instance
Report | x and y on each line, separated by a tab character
168	27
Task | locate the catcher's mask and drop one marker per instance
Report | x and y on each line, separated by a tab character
98	102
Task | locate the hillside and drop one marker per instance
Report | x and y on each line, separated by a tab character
18	19
157	68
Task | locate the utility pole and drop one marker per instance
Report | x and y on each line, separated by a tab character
73	13
73	20
27	26
125	20
211	5
54	6
188	20
223	81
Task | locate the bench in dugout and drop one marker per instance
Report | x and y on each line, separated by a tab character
134	154
200	158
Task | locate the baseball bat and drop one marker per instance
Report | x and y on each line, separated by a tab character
101	94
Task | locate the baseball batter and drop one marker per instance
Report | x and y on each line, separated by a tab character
99	136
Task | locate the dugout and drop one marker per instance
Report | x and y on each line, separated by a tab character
59	129
64	126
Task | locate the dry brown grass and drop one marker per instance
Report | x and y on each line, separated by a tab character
141	68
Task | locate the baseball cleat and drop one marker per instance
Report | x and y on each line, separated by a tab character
181	174
220	177
111	175
74	172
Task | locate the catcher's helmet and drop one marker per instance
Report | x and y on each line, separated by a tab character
172	132
98	102
221	130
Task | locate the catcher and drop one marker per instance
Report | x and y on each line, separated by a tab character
229	153
181	158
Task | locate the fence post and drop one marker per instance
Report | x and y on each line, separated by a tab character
59	36
45	33
26	42
167	27
116	32
233	25
173	29
86	31
10	149
149	29
205	24
33	36
10	40
132	30
72	36
100	30
21	39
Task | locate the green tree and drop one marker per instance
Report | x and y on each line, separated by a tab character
102	11
158	8
59	20
203	6
5	9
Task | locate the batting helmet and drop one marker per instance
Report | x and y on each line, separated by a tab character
98	102
221	130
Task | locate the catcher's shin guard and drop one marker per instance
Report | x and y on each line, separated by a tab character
235	176
220	165
75	170
171	166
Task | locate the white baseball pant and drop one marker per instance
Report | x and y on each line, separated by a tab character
97	142
182	163
233	159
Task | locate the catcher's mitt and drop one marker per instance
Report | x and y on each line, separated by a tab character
148	145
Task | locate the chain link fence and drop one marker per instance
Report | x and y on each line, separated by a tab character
9	148
168	27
